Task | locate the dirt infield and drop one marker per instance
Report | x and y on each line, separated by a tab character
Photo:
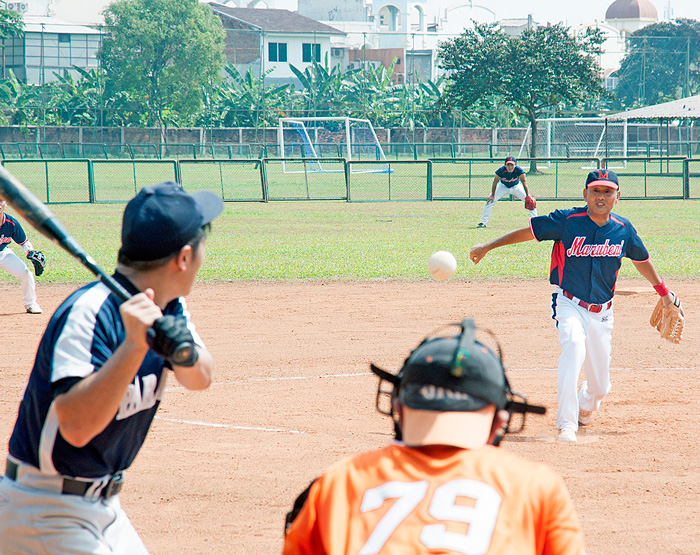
293	393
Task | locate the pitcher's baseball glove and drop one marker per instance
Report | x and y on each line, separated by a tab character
669	320
39	260
530	202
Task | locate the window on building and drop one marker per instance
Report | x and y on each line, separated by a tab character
310	52
277	51
63	37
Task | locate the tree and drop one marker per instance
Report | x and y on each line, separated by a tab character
662	63
246	101
157	53
541	69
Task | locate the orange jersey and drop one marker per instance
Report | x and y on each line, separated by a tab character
436	500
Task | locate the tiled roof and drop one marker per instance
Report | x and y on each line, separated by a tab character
281	21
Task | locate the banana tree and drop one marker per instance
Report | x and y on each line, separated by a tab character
247	101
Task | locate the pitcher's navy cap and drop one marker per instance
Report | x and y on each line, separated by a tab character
510	160
602	178
163	218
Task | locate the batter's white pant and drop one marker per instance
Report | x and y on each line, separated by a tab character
501	191
585	339
14	265
36	519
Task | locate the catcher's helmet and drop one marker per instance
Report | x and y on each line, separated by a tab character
453	373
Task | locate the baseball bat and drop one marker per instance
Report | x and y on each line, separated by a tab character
44	221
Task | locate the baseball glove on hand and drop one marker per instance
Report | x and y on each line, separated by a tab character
669	320
39	260
530	202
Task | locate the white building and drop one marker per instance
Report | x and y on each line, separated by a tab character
48	47
622	18
273	40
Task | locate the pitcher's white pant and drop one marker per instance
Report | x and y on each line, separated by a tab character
585	338
501	191
14	265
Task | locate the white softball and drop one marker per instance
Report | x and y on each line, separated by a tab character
442	265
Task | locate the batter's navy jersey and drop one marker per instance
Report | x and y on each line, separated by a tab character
81	336
510	179
586	257
9	230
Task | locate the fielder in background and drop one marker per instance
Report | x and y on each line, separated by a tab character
442	486
589	244
11	230
96	384
509	180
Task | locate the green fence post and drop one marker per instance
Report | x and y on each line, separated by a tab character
91	181
178	171
263	178
429	174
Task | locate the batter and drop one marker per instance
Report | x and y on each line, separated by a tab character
589	244
96	385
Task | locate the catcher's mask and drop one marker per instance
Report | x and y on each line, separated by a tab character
453	373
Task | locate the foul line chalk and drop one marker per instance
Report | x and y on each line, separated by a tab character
277	379
228	426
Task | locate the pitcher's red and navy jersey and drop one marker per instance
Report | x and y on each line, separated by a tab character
586	257
436	499
81	336
11	230
510	179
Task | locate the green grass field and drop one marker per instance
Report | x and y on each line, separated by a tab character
336	240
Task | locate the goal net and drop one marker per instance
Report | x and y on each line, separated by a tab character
316	139
578	138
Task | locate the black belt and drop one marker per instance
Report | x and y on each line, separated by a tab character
78	487
590	307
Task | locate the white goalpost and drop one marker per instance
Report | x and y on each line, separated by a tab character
351	138
579	138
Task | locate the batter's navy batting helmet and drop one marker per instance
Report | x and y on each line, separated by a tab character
453	373
162	218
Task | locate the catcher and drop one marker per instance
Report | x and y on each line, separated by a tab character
442	486
589	244
509	180
11	230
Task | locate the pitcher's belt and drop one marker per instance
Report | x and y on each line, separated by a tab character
590	307
98	488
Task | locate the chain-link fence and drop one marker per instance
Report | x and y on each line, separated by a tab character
120	180
54	181
270	179
692	179
389	180
233	180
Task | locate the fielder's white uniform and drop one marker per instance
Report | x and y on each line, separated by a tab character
10	229
509	184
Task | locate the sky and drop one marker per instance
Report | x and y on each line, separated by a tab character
571	12
575	12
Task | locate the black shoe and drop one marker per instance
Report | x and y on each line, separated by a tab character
481	225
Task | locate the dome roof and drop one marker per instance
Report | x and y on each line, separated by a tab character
632	9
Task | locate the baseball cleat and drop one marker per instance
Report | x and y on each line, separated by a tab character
34	309
567	436
584	417
481	225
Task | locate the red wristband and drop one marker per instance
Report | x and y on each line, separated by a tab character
662	289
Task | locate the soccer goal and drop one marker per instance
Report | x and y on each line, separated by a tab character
579	138
314	139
